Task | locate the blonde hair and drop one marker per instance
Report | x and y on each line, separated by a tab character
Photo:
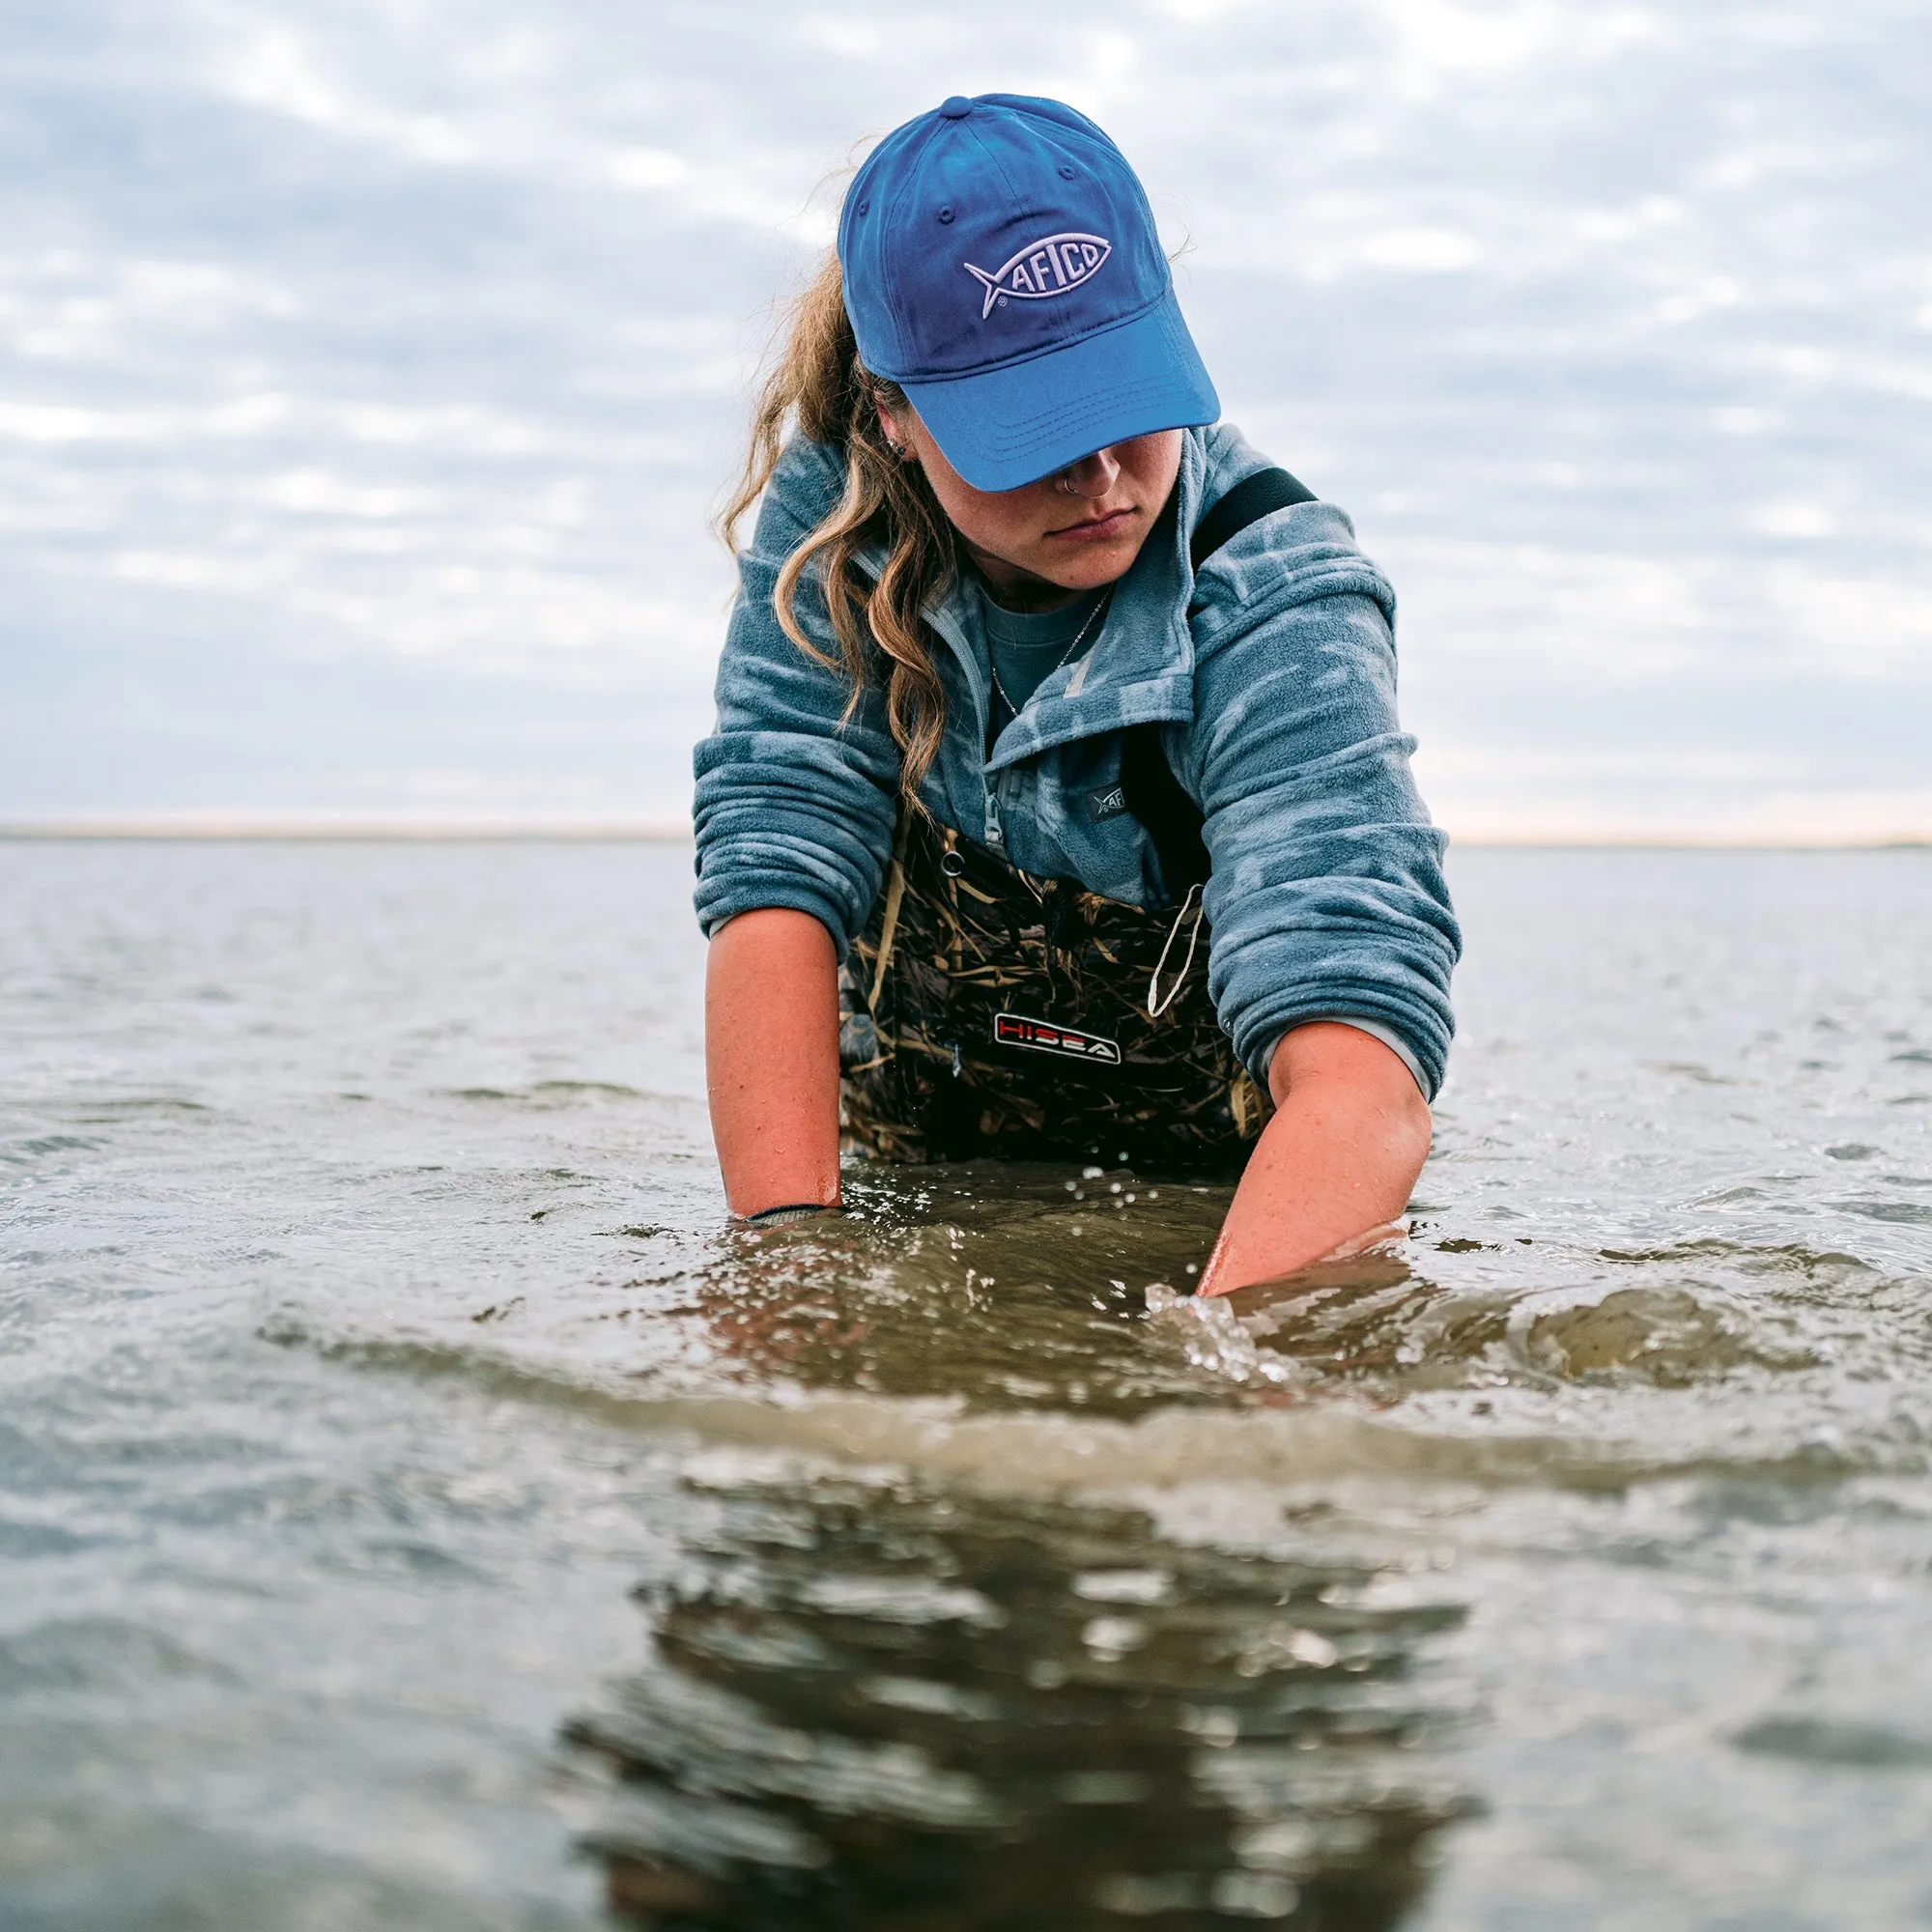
818	388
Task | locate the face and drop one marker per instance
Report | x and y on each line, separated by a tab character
1071	532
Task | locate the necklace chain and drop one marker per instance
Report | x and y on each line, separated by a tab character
1095	615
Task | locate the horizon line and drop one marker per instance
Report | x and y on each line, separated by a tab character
214	827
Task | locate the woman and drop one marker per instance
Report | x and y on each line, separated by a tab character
1056	789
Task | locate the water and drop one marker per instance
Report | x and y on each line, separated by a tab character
417	1511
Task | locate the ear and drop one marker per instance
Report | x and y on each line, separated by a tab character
895	436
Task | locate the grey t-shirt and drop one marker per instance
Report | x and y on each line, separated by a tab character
1027	646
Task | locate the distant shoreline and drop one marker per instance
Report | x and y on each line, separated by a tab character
331	831
311	832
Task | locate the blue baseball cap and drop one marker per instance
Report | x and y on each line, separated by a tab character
1001	266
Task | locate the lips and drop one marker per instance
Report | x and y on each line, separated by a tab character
1097	529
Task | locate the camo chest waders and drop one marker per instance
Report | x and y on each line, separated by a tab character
988	1012
985	1012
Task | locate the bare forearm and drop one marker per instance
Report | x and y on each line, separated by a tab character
1339	1158
771	1053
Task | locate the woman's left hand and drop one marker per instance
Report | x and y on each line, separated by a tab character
1333	1170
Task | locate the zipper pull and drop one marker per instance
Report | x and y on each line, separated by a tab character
996	832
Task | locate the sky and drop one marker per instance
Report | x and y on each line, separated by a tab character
369	370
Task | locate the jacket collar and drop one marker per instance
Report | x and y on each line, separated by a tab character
1139	669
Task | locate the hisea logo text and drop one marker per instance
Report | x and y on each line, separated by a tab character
1049	266
1043	1037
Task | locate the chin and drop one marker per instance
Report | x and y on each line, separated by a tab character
1090	572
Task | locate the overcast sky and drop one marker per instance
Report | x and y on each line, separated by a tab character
368	371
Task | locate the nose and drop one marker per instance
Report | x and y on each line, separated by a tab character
1093	476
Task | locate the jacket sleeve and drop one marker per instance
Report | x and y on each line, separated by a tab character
1327	895
795	801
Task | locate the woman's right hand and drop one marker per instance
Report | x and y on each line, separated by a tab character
770	1058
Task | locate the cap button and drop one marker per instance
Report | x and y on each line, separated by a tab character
956	108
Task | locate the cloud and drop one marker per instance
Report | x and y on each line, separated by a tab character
403	349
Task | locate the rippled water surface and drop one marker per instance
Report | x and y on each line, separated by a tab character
418	1511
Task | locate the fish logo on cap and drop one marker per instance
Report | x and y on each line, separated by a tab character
1053	266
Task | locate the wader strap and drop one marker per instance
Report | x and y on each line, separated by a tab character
1168	816
1154	795
1247	502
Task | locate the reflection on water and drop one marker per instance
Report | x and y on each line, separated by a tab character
961	1698
368	1332
875	1707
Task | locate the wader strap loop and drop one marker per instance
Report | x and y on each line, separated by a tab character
890	927
1156	1004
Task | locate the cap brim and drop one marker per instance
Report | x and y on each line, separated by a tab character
1013	425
